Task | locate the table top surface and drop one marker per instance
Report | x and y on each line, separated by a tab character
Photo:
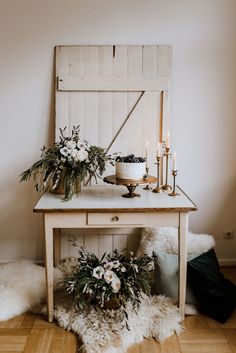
109	199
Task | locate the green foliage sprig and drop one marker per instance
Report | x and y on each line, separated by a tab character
115	277
71	159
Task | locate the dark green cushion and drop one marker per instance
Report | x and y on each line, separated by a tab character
216	294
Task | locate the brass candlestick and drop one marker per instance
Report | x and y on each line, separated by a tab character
166	186
174	193
147	187
158	188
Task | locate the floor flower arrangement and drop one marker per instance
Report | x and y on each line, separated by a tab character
109	282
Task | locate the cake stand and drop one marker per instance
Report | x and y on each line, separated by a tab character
131	184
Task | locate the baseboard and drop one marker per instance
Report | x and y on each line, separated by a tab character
227	262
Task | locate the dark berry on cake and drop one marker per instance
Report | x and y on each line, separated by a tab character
130	159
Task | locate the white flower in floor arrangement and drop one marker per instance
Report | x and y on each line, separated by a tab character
116	284
98	272
123	269
109	276
109	282
108	265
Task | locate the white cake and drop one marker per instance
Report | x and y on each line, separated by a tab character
133	171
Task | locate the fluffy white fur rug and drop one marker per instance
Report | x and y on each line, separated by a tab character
165	240
105	331
22	287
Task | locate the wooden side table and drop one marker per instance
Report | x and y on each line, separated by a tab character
103	207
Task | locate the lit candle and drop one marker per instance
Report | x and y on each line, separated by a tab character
174	162
168	140
147	154
159	149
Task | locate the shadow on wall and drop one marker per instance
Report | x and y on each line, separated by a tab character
21	230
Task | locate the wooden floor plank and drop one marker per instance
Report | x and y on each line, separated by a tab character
170	345
14	332
41	322
230	335
12	343
63	341
28	320
204	341
12	323
39	341
197	321
149	346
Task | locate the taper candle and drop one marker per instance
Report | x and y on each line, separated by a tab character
159	149
174	162
168	140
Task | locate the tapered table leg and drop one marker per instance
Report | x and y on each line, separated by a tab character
48	233
183	233
57	244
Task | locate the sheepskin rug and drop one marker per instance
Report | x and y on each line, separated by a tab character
165	239
22	287
104	331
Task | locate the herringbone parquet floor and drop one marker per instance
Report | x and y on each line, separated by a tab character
30	333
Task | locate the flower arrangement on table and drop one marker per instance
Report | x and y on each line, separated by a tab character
109	282
70	160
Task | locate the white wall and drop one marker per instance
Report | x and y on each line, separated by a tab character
202	34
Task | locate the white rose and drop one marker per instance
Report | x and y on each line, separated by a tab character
82	155
123	269
79	155
109	275
98	272
71	144
108	266
116	284
75	155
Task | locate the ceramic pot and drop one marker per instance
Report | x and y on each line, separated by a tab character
59	189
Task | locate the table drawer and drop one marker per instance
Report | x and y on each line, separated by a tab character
161	219
114	218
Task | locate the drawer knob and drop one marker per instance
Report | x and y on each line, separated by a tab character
115	219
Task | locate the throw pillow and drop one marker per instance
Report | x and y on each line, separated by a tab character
165	239
166	277
215	294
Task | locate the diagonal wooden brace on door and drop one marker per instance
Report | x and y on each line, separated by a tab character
119	95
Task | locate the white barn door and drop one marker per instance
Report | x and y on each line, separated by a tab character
97	87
